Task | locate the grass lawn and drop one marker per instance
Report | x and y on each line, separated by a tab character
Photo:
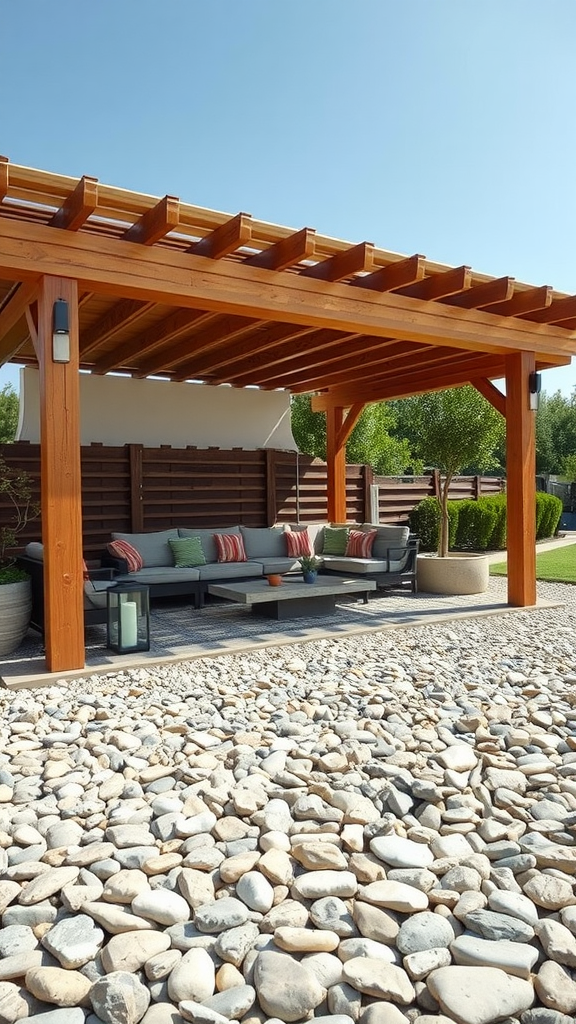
556	566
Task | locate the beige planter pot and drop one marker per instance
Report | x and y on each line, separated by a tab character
455	574
15	610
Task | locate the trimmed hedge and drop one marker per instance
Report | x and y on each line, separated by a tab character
479	525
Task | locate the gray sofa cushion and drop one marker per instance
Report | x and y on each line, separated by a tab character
356	566
207	539
153	547
388	542
280	565
160	574
264	543
229	570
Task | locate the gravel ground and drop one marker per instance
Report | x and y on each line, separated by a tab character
376	829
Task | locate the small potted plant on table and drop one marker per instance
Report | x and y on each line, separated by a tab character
309	565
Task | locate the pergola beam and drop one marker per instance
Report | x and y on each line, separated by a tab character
286	252
174	326
167	276
225	239
520	481
156	223
342	264
395	275
79	206
10	314
491	393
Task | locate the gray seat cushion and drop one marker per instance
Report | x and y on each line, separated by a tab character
280	565
358	566
153	547
95	592
214	571
160	574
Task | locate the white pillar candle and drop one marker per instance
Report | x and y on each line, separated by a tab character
129	623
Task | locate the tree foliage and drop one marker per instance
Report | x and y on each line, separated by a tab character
450	431
555	432
8	414
371	441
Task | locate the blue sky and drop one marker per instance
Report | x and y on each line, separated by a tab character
441	127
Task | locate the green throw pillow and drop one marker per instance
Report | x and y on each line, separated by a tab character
187	552
335	540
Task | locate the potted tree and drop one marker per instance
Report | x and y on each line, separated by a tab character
452	430
15	589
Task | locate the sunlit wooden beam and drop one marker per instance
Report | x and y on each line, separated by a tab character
78	207
522	302
412	384
555	313
225	239
156	223
276	347
500	289
256	346
491	393
10	314
438	286
342	264
286	252
395	275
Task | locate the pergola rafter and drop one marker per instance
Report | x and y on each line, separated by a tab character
161	287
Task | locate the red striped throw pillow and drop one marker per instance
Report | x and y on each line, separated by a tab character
122	549
298	543
360	543
230	547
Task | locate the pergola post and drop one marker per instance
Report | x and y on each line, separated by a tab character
338	430
61	482
521	480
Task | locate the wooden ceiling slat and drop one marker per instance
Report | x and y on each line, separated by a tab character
303	351
285	253
479	295
4	177
523	302
121	315
221	331
79	206
556	312
392	387
256	346
396	275
375	359
438	286
182	321
155	223
343	264
225	239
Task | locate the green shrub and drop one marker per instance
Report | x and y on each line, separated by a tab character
425	522
497	541
476	521
548	512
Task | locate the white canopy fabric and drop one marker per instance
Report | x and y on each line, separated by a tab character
122	410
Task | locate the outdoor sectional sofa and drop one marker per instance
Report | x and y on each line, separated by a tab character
391	564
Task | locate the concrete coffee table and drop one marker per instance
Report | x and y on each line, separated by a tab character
293	598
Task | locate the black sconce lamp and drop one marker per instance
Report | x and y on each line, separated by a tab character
534	388
60	332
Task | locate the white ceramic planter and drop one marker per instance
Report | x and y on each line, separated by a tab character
455	574
15	610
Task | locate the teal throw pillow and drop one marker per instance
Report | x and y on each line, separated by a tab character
335	540
187	552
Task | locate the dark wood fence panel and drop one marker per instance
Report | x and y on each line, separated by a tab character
135	489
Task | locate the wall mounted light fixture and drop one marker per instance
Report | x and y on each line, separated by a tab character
60	332
534	388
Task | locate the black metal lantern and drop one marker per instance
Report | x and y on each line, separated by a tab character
128	618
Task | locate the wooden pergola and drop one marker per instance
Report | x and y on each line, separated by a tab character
159	287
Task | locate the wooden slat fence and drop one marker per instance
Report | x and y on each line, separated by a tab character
136	489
